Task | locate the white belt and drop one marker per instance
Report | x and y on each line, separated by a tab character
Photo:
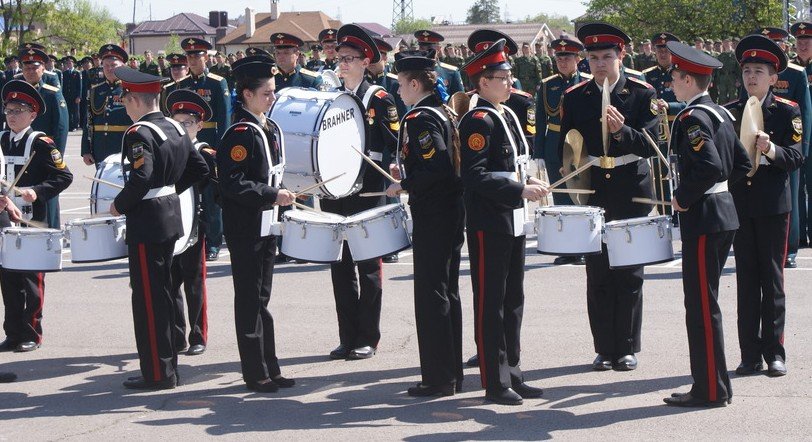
376	156
17	161
607	162
159	191
513	176
717	188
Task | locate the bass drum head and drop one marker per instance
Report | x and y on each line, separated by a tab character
188	214
341	129
102	195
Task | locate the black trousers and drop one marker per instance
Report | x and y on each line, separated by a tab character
212	217
189	270
437	243
614	299
358	299
73	113
153	309
805	202
252	262
23	298
703	259
760	248
497	277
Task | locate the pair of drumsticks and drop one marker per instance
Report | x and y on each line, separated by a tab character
13	187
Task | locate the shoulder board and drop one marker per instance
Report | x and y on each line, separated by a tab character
586	75
632	71
382	94
576	86
47	139
413	115
308	72
795	66
166	85
18	75
640	82
450	67
520	92
549	78
214	77
733	103
50	88
685	114
479	115
391	75
649	69
785	101
99	84
133	129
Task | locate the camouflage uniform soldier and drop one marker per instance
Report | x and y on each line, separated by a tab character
728	77
527	70
646	58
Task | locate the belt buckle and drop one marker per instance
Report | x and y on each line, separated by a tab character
607	162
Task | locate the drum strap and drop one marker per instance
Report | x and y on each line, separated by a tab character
368	95
12	161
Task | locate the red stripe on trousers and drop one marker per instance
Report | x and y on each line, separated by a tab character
205	324
153	342
481	301
41	290
786	252
706	316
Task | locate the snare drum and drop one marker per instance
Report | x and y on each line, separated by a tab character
31	249
102	195
639	241
377	232
97	239
311	236
569	230
320	129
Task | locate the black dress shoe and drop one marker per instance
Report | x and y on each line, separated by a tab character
281	259
422	390
561	260
790	263
5	378
602	363
282	381
473	361
139	383
197	349
364	352
390	259
625	363
180	348
26	346
527	392
212	255
776	369
262	387
504	397
8	345
458	387
747	368
688	400
340	352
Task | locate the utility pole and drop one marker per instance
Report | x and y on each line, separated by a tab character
401	10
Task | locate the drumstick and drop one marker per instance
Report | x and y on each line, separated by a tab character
10	187
576	191
309	188
641	200
377	167
574	173
374	194
99	180
32	223
657	149
309	209
20	173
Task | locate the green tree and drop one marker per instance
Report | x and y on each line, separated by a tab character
21	19
82	25
554	21
483	12
407	26
687	18
173	45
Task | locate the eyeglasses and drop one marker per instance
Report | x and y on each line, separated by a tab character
349	58
16	111
506	79
188	123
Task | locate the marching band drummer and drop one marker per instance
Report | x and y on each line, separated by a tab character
46	176
164	163
245	156
496	244
763	205
189	268
614	296
429	154
359	312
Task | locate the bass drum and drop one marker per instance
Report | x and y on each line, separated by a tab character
321	128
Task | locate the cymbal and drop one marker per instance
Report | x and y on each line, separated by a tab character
752	123
574	156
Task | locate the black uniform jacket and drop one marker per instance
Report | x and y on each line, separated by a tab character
489	199
243	172
767	192
154	164
615	188
382	128
708	153
47	175
425	155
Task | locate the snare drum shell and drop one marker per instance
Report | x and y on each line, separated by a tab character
639	241
377	232
104	240
311	237
34	253
569	230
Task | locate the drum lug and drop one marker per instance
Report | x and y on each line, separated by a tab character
304	231
560	223
336	233
660	230
628	235
364	228
394	222
592	224
19	241
84	233
50	243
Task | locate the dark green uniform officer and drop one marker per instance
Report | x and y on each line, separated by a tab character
315	64
290	73
107	118
643	60
48	77
728	77
327	38
223	69
803	36
449	74
548	109
527	70
150	66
